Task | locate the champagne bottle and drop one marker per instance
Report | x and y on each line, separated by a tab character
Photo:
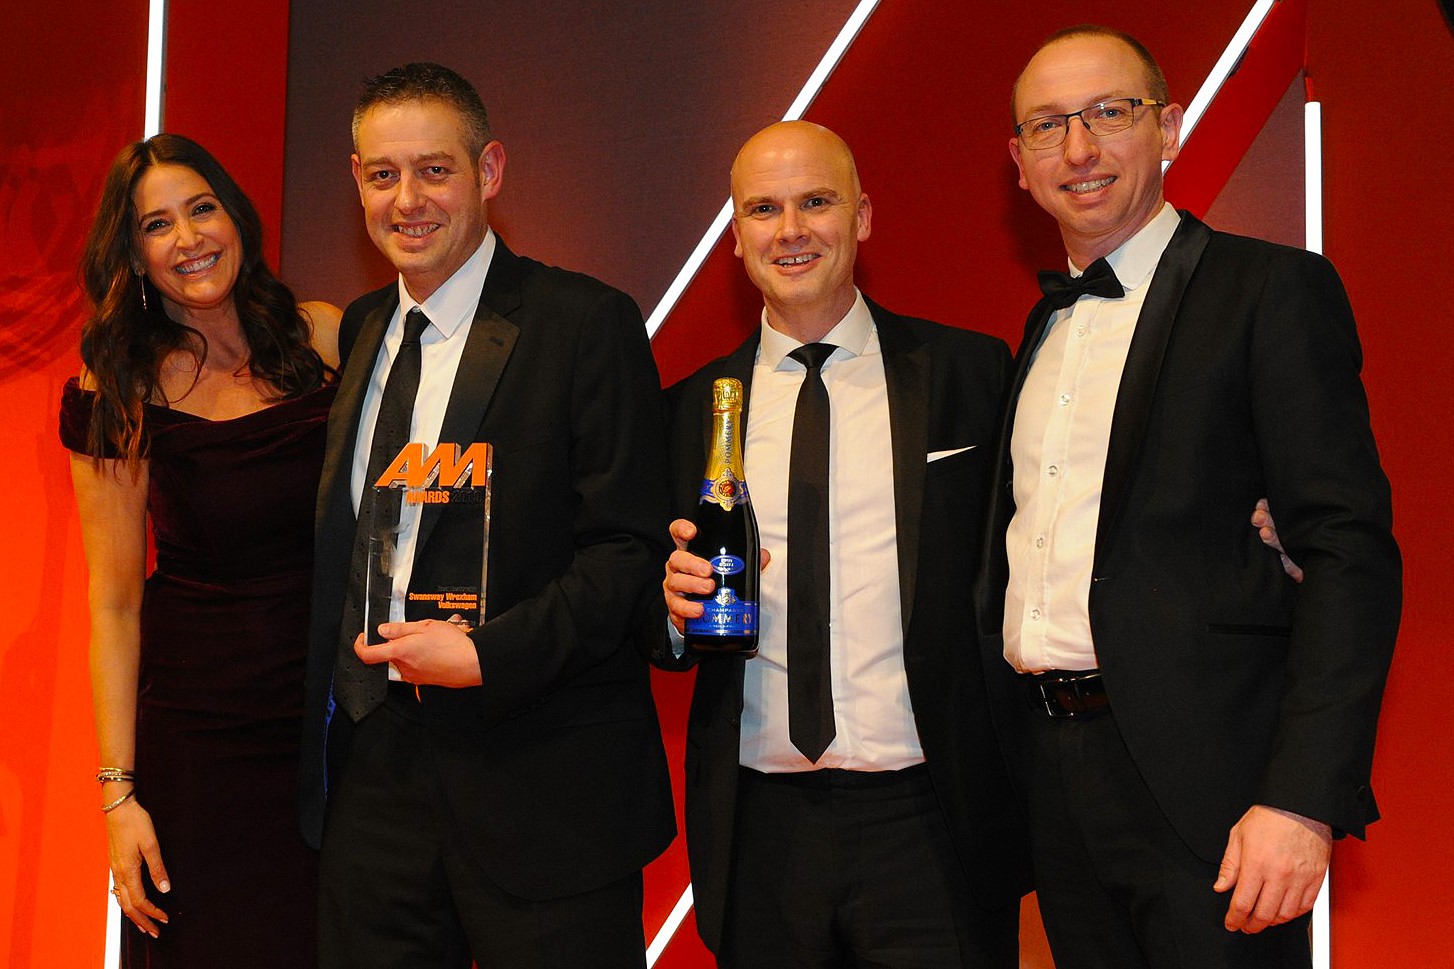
726	535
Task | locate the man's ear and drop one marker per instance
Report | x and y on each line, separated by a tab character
492	170
865	216
1019	164
1171	118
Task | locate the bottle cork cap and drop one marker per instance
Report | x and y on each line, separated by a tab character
726	394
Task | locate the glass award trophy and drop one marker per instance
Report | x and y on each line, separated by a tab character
452	483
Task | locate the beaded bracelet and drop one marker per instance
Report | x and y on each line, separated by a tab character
108	808
107	774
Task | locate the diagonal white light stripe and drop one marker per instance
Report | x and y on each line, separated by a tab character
805	97
830	59
689	270
1223	69
669	927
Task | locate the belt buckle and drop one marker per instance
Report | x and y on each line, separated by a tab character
1071	702
1053	709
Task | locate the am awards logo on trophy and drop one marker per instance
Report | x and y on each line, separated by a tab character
452	479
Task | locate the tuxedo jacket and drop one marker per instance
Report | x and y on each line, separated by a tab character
1231	685
553	769
945	388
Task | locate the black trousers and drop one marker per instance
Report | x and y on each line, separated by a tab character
1118	888
399	888
837	868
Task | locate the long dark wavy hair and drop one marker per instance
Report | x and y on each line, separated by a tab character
123	344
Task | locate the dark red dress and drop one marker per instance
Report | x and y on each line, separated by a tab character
224	632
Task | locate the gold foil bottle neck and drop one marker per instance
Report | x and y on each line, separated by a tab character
726	395
724	457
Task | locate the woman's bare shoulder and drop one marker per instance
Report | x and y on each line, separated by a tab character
323	318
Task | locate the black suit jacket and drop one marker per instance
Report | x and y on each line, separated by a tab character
1231	685
945	388
554	767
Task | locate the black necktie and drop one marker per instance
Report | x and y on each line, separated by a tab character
1099	279
358	687
810	687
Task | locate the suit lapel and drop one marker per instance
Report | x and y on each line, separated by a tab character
487	349
343	417
907	370
1143	367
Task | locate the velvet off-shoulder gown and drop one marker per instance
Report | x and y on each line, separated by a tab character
224	630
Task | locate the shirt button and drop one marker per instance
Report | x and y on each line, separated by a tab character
1035	614
1080	329
1052	471
1040	542
1064	400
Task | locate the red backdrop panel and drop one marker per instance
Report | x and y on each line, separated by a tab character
1387	228
73	80
227	86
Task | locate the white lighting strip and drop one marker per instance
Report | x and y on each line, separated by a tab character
112	955
689	269
805	97
156	51
156	48
1313	174
1223	69
669	927
1322	927
1313	217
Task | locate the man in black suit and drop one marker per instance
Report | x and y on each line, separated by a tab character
1200	725
493	792
893	842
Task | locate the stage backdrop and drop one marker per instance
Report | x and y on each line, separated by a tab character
621	123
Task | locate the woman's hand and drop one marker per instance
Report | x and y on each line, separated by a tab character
132	843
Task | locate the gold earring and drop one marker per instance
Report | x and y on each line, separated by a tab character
141	279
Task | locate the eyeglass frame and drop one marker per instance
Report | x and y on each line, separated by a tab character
1134	102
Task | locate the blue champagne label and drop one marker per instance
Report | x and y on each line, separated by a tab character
726	564
726	490
725	615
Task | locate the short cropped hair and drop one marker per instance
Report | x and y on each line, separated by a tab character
1156	87
423	81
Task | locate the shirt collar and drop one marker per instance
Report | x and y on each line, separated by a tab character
851	335
454	303
1136	259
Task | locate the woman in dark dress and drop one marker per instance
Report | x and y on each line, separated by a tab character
202	407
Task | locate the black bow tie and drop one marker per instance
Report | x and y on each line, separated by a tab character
1099	279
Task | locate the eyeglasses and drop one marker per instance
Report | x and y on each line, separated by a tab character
1105	118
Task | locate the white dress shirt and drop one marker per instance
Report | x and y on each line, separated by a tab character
1062	428
872	713
451	310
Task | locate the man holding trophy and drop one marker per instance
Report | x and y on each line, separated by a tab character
482	763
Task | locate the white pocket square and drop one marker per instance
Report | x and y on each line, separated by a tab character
937	455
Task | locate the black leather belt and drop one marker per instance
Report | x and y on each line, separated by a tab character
1067	694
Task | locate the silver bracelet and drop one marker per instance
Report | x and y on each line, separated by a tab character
108	808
